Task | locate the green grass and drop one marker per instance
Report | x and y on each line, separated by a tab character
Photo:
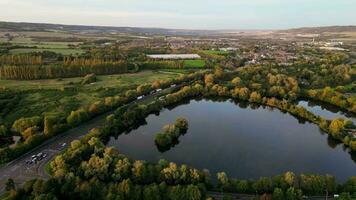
104	81
214	52
48	168
51	97
64	51
194	63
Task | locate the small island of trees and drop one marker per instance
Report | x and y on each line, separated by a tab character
171	132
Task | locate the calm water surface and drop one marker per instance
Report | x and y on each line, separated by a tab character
243	141
326	110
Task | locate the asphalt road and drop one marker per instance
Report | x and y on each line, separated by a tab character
20	171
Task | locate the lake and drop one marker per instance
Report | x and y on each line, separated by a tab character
326	110
243	140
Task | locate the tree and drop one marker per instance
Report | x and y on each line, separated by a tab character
223	180
236	81
156	84
77	117
209	79
293	194
151	192
181	124
126	188
22	124
289	178
255	97
263	185
219	73
10	185
29	132
278	194
336	127
4	132
193	192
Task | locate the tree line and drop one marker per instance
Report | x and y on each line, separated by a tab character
94	170
288	186
36	129
89	170
32	72
20	60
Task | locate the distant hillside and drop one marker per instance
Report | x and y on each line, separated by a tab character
24	26
315	30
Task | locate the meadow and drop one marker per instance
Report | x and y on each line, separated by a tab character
214	52
194	63
67	94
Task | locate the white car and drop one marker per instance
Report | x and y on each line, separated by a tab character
64	144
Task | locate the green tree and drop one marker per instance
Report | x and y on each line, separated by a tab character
10	184
278	194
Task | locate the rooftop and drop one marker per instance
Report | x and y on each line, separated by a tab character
174	56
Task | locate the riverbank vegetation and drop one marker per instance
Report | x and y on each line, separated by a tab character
89	170
36	129
38	101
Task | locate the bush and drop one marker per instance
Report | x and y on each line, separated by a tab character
22	124
77	117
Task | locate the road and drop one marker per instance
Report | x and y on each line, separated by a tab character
20	171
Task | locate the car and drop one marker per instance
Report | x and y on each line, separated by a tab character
140	97
64	144
173	85
33	156
44	155
158	90
39	154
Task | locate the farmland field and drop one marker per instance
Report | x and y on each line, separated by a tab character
194	63
215	52
56	50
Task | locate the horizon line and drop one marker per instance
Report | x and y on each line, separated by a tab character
182	29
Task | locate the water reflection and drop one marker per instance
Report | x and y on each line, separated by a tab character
246	141
326	110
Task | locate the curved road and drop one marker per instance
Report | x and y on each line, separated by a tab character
20	171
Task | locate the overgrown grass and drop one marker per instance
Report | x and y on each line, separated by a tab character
48	168
66	95
214	52
64	51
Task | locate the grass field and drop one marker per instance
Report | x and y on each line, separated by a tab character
64	51
194	63
52	97
214	52
27	41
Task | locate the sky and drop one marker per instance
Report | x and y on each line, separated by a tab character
184	14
